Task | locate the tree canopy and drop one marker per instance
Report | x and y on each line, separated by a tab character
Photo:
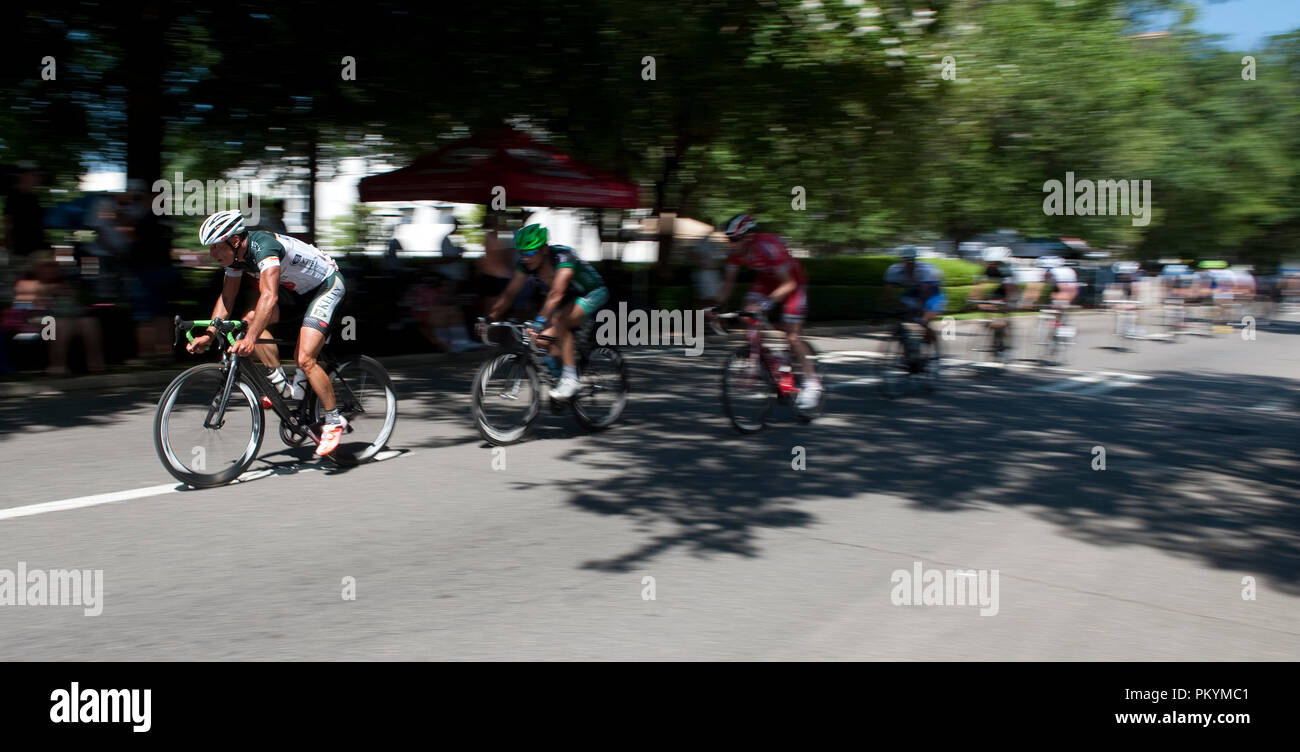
892	120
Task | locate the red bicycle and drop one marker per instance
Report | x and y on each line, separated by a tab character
755	375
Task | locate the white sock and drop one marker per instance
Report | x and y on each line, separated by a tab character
571	372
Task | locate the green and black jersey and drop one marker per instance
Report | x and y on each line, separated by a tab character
303	267
585	278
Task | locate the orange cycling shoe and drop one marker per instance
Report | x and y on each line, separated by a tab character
330	435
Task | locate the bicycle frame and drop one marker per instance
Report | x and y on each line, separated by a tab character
524	339
756	324
910	344
998	326
231	366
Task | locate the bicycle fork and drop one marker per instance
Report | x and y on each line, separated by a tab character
216	417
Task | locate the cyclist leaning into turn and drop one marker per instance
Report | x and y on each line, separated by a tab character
1063	281
999	285
275	261
921	285
781	291
574	292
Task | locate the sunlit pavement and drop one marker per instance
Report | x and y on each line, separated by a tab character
751	558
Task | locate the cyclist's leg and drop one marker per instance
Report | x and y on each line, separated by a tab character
753	300
267	354
794	309
912	310
934	306
311	338
567	318
571	315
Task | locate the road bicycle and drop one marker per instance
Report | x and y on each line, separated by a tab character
756	376
994	343
908	358
1053	335
211	419
507	393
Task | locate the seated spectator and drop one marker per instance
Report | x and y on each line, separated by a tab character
432	303
46	307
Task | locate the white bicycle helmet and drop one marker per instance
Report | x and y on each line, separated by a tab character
220	226
996	253
1049	262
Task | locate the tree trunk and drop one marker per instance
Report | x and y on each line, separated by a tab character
144	120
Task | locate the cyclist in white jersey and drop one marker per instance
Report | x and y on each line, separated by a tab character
276	261
1063	279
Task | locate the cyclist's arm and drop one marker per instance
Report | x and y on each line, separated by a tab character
559	286
507	295
788	285
728	282
226	301
268	295
889	300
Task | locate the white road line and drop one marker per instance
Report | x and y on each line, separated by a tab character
1105	387
1069	383
1109	380
82	502
87	501
855	382
1269	407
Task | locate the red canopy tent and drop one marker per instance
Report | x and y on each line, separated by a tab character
532	174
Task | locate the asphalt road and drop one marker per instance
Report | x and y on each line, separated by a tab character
751	559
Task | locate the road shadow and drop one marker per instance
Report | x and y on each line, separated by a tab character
1191	467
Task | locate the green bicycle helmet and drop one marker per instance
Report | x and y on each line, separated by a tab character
530	237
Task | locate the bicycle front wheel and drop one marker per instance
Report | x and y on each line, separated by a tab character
1045	342
933	366
892	370
747	390
506	398
198	443
365	396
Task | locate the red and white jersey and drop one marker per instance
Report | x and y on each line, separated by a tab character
768	256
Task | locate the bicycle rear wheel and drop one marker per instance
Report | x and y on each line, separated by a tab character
365	396
506	398
600	401
201	456
747	390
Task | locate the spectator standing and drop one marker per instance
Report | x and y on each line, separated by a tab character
152	275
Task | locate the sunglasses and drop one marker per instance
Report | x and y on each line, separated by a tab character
529	254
